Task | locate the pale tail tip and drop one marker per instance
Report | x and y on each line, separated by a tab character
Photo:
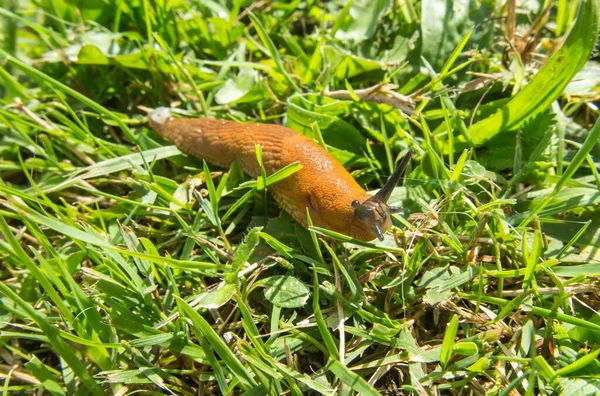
159	117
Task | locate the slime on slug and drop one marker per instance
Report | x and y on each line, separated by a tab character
334	199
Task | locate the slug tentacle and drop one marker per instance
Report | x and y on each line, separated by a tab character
384	194
333	198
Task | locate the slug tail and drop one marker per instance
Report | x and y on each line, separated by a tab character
218	142
159	118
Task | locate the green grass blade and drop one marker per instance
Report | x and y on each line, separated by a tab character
212	195
345	238
232	362
283	173
353	380
245	251
262	33
321	324
579	364
590	142
549	83
45	79
448	343
57	343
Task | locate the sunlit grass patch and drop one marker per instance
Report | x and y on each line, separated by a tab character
128	267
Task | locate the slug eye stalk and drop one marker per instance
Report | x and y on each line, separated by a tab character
384	194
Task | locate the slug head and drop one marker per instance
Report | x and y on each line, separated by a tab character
373	215
372	218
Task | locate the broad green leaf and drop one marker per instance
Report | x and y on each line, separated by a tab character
591	269
549	82
581	386
362	20
344	65
245	87
586	82
440	281
465	348
285	291
303	112
480	365
215	298
444	24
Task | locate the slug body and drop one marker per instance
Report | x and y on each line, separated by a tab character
334	199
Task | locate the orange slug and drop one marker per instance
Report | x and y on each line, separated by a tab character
334	199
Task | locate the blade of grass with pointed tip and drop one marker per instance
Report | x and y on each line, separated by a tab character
353	284
277	245
21	256
282	173
590	142
452	59
579	364
544	312
305	379
574	239
262	33
345	238
266	376
58	344
386	145
238	203
448	343
230	360
88	237
350	378
549	83
107	167
214	364
44	78
314	239
321	324
45	375
212	194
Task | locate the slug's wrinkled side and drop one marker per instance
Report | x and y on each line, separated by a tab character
334	199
